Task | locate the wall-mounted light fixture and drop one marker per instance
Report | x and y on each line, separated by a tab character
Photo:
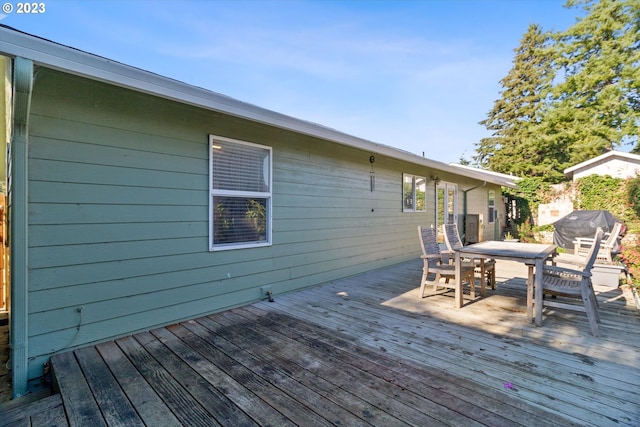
372	174
435	178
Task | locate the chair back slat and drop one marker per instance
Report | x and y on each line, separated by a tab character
429	242
452	237
593	251
613	236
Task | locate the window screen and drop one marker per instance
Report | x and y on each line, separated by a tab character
240	177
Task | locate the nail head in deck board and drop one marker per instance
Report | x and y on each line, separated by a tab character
79	403
114	405
148	404
177	398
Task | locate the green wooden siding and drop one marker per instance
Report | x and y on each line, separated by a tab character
118	214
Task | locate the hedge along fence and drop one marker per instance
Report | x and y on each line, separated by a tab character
605	192
619	196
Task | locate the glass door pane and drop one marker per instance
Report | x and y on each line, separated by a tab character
440	210
446	206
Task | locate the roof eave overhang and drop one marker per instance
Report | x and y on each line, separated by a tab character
56	56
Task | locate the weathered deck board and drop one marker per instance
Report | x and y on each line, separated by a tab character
343	383
432	392
114	405
176	395
361	351
571	388
235	392
143	397
44	412
247	369
80	404
333	403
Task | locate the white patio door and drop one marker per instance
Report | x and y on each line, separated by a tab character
446	206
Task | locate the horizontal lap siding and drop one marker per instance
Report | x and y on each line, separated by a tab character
118	215
478	203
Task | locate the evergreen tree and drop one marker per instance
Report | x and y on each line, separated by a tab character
570	96
596	106
510	149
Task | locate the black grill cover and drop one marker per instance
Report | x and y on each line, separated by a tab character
581	224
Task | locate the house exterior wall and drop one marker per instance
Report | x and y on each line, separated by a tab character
478	203
118	214
614	167
5	115
5	137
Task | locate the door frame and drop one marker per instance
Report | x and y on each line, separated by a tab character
446	205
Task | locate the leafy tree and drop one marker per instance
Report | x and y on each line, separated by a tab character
529	194
570	96
513	115
596	106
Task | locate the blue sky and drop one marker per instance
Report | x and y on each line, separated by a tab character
414	74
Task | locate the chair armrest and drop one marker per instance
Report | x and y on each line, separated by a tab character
555	269
590	240
572	259
584	240
432	256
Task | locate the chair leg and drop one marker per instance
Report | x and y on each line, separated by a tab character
592	315
591	308
438	277
423	282
594	306
472	285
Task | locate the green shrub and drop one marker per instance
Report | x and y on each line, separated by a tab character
596	192
633	195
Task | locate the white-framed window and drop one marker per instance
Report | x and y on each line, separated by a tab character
492	206
414	189
240	194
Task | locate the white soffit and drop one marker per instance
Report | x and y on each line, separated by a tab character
67	59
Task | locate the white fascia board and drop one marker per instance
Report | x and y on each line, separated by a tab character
613	154
501	179
70	60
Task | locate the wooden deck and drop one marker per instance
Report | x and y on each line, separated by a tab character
360	351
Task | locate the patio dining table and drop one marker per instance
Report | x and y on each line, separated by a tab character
533	255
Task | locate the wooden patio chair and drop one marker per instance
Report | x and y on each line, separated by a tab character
453	242
438	264
607	245
574	283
